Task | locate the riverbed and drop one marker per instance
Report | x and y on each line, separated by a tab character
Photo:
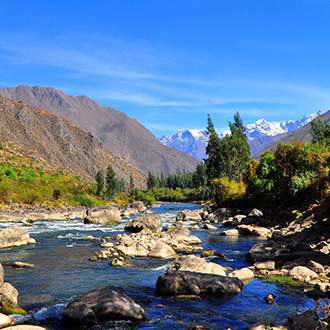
63	271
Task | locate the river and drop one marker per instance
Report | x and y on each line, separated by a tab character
62	271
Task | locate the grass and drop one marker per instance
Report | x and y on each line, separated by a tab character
282	280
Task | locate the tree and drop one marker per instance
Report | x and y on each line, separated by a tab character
199	177
99	181
212	151
152	181
320	132
111	181
238	149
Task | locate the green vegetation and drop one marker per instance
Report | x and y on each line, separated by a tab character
28	185
320	132
10	310
229	156
283	280
228	191
286	174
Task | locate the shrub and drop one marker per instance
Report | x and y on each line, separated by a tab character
287	173
226	190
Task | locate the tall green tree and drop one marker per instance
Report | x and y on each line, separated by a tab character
152	181
320	132
238	149
199	177
213	150
99	181
111	181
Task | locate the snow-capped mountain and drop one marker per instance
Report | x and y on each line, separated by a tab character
189	141
193	141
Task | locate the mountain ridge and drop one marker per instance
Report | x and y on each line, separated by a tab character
261	134
119	133
55	142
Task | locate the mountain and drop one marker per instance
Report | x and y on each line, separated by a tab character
119	133
302	134
261	135
53	142
190	141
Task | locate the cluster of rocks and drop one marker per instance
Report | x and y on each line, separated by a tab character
148	240
30	214
9	305
296	251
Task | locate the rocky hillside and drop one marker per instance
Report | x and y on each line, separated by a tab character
52	141
122	135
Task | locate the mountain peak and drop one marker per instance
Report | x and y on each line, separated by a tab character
262	131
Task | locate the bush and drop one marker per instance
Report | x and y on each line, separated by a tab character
24	184
286	174
226	190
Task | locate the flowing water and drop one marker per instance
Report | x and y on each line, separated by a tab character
62	271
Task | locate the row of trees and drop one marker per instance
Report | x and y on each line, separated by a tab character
109	184
226	157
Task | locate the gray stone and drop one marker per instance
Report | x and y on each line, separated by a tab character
190	283
102	304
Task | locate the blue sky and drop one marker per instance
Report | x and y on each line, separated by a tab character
168	63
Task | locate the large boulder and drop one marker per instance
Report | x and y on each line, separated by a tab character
102	304
254	230
192	263
243	274
148	221
103	216
230	232
134	208
14	236
191	283
189	215
8	295
265	265
162	250
301	273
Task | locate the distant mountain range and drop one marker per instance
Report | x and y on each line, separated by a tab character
120	134
261	135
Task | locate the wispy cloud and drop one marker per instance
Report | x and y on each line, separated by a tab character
136	73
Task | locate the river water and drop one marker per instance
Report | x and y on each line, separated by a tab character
62	271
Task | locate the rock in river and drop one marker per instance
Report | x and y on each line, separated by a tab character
192	263
191	283
103	216
147	221
14	236
134	208
102	304
189	215
162	250
254	230
243	274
